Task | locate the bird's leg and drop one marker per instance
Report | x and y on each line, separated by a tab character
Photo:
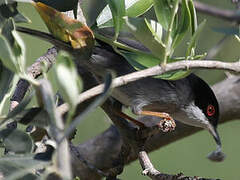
117	110
166	124
125	116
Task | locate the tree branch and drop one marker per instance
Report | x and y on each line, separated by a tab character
153	71
228	15
101	155
33	71
150	171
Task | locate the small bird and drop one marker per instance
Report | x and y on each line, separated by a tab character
189	100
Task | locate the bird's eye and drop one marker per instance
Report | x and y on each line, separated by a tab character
210	110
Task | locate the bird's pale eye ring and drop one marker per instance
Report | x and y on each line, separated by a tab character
210	110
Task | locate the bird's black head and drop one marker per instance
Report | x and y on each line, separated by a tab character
205	99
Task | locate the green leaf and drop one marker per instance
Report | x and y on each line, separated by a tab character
184	24
140	61
163	12
175	75
140	29
194	23
16	141
67	78
19	50
6	54
118	12
20	107
45	100
6	77
97	102
91	9
138	7
7	29
66	29
134	8
156	30
18	166
192	45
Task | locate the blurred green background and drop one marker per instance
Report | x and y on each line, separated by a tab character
189	154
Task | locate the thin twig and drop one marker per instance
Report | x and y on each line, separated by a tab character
156	70
224	14
150	171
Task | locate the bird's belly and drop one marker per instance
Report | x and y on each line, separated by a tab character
121	97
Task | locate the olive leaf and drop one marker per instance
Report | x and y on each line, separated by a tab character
163	12
18	166
68	81
16	141
134	8
139	27
98	101
118	12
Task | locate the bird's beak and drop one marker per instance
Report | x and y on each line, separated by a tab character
216	155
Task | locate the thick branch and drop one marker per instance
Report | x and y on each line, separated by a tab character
34	71
102	154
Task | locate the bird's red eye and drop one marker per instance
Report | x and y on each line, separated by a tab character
210	110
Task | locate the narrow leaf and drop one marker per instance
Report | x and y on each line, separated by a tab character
175	75
184	23
16	166
19	50
140	29
118	12
67	78
6	54
16	141
138	7
20	107
194	38
140	61
163	12
67	29
194	23
100	99
134	8
45	100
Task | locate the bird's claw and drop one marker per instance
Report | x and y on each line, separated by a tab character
167	124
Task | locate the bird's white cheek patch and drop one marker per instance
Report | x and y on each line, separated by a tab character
192	115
